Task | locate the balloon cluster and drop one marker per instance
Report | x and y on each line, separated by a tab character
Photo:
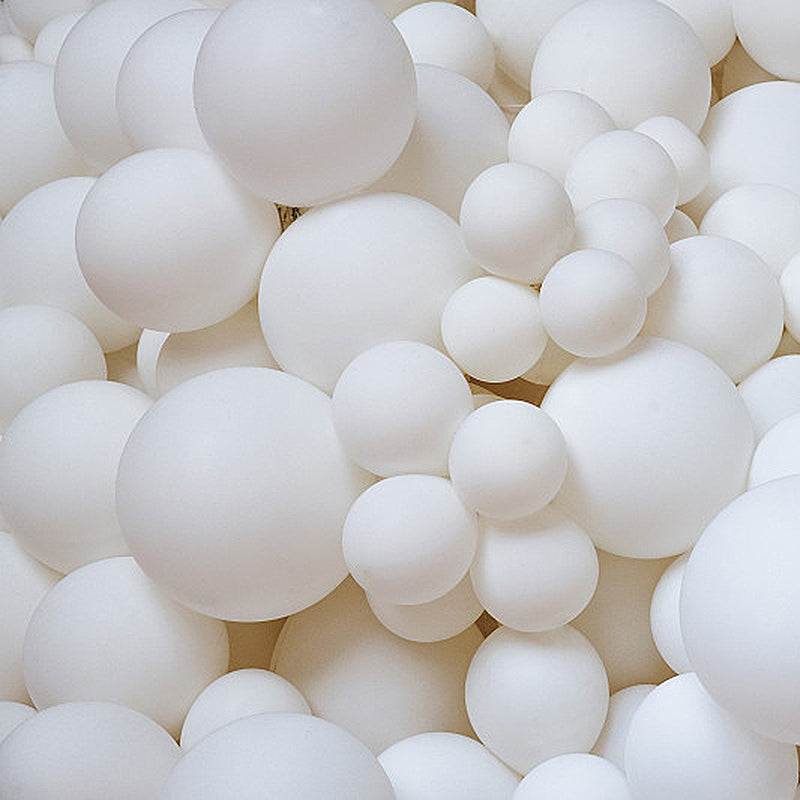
399	399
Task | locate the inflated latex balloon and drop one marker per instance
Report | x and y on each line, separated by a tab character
238	694
621	708
41	348
136	264
30	16
161	654
448	36
532	696
398	254
630	230
273	109
52	36
374	684
769	33
57	480
87	69
39	265
740	573
409	539
624	164
687	152
680	226
24	583
396	408
772	392
665	619
291	756
154	89
516	28
550	130
439	162
516	220
721	299
650	490
442	618
592	303
712	21
682	744
14	48
12	715
245	543
534	574
636	58
447	766
574	776
492	328
35	149
508	460
751	137
617	620
765	218
87	751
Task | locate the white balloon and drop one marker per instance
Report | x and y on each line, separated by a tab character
636	58
550	130
534	574
772	392
243	451
391	261
307	757
532	696
439	162
41	348
39	265
447	766
156	656
58	467
769	33
492	328
239	694
137	265
409	539
154	89
30	16
87	69
630	230
396	408
273	109
682	744
508	460
24	583
673	465
574	776
665	621
87	751
622	706
741	572
721	299
516	221
372	683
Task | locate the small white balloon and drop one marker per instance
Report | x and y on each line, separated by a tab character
622	706
516	221
508	459
630	230
239	694
534	574
624	164
492	328
574	776
665	620
87	751
448	36
532	696
397	406
447	766
550	130
682	744
409	539
772	392
593	303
